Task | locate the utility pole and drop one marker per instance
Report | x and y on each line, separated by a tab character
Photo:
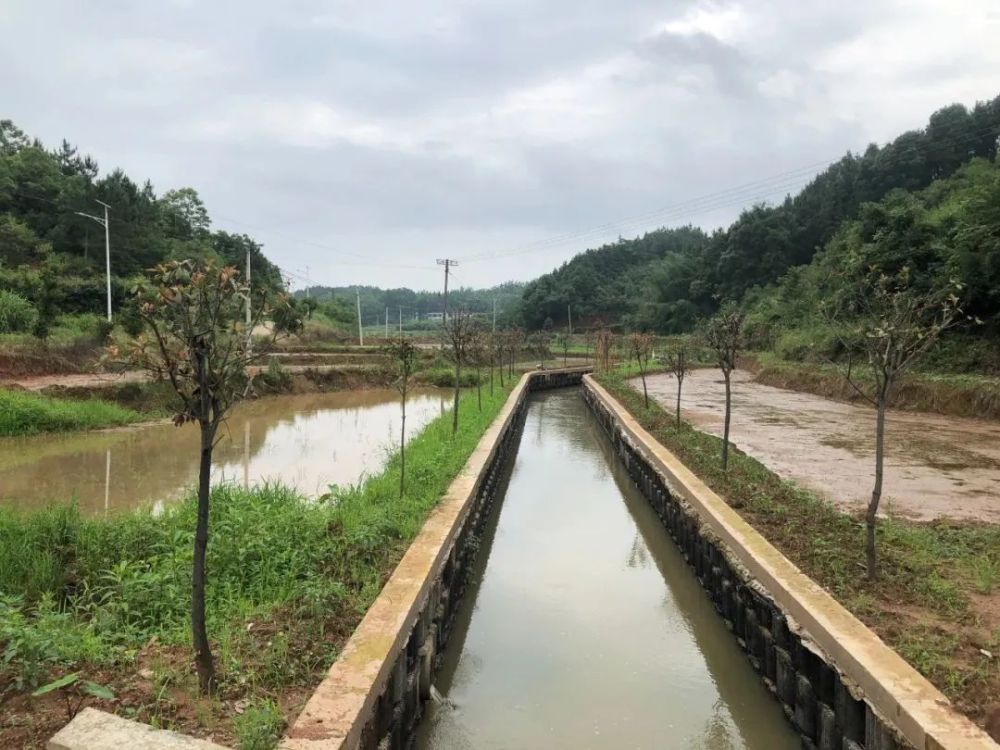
107	247
361	334
569	317
401	322
494	316
387	321
447	266
307	282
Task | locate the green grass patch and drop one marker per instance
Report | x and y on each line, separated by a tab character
24	413
931	573
289	579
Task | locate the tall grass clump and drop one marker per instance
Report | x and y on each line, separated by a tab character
24	413
17	315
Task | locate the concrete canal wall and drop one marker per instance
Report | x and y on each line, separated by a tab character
373	695
839	684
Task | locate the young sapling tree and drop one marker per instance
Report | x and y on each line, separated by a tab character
894	325
195	338
641	348
404	354
458	334
677	362
724	336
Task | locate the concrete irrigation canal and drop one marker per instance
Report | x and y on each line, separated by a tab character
583	621
578	587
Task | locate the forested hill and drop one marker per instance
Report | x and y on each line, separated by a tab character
668	279
41	191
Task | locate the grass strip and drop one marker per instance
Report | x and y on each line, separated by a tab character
289	579
936	600
25	413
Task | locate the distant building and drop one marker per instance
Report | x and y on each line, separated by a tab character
434	316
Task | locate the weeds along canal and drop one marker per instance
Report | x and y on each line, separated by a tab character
582	626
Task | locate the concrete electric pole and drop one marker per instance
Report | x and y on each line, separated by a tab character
361	334
447	267
107	247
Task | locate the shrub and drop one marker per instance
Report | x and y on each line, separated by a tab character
17	315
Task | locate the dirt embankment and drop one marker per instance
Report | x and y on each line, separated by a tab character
974	396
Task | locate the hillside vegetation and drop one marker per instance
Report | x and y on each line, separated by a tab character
923	199
52	259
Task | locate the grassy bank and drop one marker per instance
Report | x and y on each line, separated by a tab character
961	395
937	599
289	579
24	413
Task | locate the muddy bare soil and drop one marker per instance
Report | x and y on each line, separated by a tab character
936	466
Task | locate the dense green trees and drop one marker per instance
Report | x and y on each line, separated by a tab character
950	230
669	279
41	192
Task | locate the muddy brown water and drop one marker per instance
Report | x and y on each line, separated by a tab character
582	626
936	466
307	441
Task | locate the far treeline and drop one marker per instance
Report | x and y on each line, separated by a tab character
929	200
339	303
54	258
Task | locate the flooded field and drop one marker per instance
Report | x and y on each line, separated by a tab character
936	466
583	627
307	441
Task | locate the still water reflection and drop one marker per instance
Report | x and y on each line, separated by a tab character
307	441
583	626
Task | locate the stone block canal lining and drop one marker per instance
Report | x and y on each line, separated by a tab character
375	694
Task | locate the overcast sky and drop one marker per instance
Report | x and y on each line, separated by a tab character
366	139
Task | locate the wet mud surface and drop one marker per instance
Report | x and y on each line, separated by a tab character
936	466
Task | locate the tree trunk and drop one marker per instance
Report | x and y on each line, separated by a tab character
725	431
454	411
402	447
871	518
199	634
500	369
679	384
479	387
645	393
491	376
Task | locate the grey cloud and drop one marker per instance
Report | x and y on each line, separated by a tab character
444	124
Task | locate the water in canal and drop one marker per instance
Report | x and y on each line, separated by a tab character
583	626
306	441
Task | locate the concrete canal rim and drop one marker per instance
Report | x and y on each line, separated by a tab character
842	688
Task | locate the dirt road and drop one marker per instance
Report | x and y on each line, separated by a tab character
935	466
